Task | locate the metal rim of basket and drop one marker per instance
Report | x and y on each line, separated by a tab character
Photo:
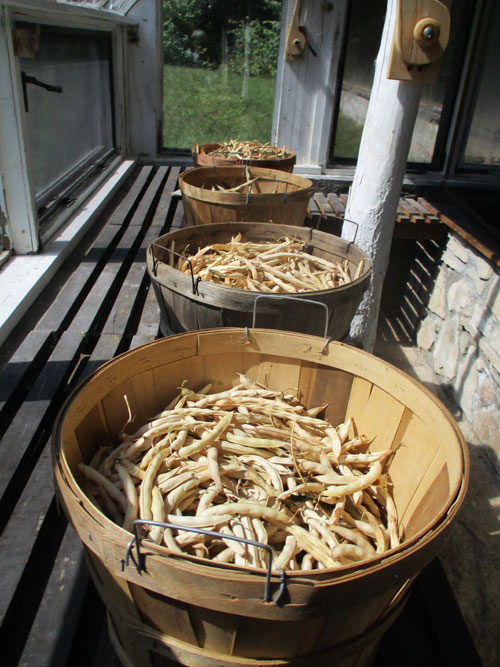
140	565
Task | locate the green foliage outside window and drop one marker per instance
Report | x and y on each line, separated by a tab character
264	38
209	33
220	59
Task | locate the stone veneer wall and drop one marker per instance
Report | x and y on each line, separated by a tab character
461	333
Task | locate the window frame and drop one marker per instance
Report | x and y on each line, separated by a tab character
313	147
57	193
23	224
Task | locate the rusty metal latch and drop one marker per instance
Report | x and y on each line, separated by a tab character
25	78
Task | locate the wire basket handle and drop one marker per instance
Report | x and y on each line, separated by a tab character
290	298
156	261
139	559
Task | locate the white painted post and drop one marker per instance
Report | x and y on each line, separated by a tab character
378	179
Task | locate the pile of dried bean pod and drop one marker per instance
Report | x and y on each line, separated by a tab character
234	149
281	266
253	463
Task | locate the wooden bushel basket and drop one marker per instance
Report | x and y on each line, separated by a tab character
166	608
186	304
207	155
277	196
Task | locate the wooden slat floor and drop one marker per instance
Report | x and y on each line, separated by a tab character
99	305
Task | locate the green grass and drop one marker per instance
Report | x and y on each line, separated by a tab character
199	106
347	137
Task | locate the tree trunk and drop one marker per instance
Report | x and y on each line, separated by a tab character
376	188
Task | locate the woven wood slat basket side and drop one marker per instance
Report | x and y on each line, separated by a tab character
277	196
212	611
145	632
130	637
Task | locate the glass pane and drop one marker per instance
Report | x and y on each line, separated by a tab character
483	144
363	41
66	130
220	70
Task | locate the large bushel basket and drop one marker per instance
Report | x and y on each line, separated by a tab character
166	608
210	155
271	196
187	304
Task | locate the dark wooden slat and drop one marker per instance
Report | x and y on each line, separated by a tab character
80	281
29	418
22	363
314	206
403	215
124	303
322	203
24	547
406	206
149	322
412	217
336	204
17	539
323	218
143	209
51	636
163	207
428	216
102	290
106	347
141	339
132	197
136	282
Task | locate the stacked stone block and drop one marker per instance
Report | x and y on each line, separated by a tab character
461	333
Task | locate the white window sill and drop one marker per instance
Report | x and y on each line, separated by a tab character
23	277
